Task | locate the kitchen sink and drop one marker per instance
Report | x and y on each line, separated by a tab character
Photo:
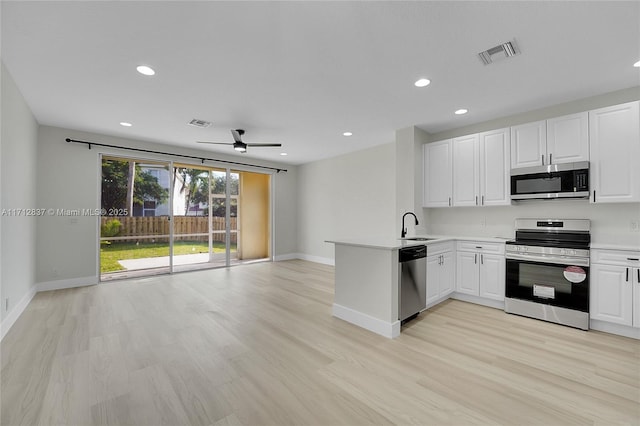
418	239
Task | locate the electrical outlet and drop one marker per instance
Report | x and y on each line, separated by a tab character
635	226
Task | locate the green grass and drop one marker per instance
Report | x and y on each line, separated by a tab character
110	254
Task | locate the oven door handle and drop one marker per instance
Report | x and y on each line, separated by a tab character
558	260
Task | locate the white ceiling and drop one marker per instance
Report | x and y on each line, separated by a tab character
302	73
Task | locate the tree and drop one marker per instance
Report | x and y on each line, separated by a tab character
194	186
116	180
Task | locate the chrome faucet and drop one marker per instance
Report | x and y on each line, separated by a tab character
403	233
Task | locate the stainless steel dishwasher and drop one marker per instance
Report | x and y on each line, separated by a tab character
412	283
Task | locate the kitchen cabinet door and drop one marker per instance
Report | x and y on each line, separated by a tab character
447	274
611	294
467	275
529	144
492	276
437	174
465	171
636	297
568	138
494	173
614	134
433	278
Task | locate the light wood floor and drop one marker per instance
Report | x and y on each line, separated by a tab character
257	345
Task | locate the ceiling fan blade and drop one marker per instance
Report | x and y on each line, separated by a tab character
264	144
215	143
237	135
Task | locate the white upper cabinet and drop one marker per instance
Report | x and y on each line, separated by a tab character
529	144
554	141
466	186
437	173
615	153
495	182
568	138
481	169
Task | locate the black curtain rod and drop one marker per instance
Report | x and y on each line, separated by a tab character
203	159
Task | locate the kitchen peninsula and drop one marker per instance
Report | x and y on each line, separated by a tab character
367	278
366	283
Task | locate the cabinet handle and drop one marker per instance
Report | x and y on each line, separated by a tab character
442	259
542	159
633	258
482	200
476	200
482	259
475	260
627	279
638	270
594	195
449	201
550	158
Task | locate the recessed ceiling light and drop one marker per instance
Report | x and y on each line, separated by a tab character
347	134
461	111
125	124
637	64
143	69
422	82
283	153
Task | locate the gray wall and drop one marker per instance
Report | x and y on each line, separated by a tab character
17	190
349	196
69	178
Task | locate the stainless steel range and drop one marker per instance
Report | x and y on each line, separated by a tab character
547	273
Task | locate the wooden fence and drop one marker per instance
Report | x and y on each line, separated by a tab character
138	226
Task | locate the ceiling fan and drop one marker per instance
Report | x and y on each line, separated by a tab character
240	146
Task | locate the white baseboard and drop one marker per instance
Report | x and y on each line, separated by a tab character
378	326
68	283
15	313
289	256
620	330
302	256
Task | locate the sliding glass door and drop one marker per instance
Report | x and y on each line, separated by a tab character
134	225
224	213
178	217
191	218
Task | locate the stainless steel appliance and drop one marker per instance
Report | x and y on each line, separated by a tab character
570	180
412	284
547	273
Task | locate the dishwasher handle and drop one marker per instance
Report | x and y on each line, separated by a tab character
408	254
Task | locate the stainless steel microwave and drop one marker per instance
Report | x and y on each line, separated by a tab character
569	180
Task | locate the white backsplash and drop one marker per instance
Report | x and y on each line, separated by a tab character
610	223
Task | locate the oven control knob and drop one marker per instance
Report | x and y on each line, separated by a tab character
572	252
563	252
524	248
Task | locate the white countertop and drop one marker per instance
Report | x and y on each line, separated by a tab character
389	243
614	247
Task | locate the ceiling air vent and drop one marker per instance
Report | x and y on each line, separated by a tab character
507	48
199	123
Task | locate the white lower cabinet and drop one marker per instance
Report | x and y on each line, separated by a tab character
615	287
480	269
440	272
